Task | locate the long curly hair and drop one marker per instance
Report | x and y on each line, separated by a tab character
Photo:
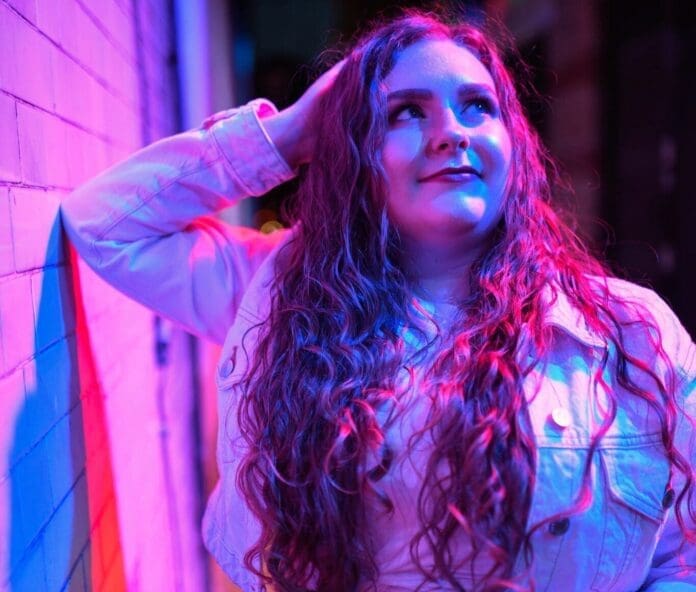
330	354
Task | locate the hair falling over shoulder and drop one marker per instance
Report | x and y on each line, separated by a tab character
330	350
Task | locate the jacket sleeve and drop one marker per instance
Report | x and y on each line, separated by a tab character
674	562
147	224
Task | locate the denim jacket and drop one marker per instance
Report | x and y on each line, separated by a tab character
148	226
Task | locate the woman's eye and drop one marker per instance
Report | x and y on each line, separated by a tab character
405	113
481	105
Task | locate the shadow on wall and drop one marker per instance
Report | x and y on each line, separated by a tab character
62	510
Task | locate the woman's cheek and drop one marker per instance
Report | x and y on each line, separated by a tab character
499	148
401	149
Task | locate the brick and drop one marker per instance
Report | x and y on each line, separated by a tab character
42	147
80	143
126	374
30	77
94	156
26	7
65	549
59	21
78	581
31	495
100	301
6	525
29	574
82	522
77	424
72	91
16	321
50	392
9	143
88	566
127	72
120	27
116	152
62	471
74	31
123	125
36	228
123	80
88	48
96	442
114	580
7	264
97	95
99	470
96	566
113	24
13	412
109	542
54	309
125	6
84	148
95	293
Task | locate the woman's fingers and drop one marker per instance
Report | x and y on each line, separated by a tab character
293	130
321	84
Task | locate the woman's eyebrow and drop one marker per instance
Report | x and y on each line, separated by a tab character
469	89
413	94
423	94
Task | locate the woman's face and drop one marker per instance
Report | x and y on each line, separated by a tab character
446	153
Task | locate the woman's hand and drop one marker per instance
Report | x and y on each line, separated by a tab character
292	130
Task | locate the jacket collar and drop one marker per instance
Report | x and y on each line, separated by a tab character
560	313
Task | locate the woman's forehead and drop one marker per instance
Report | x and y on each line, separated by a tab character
432	60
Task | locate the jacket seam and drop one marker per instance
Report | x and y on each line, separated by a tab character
143	202
223	156
614	442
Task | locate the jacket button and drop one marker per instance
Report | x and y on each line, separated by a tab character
228	365
561	417
668	498
559	527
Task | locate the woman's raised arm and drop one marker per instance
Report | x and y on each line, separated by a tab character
146	225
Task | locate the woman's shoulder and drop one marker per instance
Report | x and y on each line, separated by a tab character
633	302
629	291
641	311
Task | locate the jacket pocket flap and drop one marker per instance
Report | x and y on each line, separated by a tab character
637	478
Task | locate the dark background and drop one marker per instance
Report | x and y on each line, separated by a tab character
617	107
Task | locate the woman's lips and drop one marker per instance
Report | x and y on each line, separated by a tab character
452	175
451	178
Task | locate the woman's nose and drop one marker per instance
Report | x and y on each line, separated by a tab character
450	134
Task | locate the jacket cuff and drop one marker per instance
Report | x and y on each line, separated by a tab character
248	150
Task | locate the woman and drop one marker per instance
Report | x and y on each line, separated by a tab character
427	382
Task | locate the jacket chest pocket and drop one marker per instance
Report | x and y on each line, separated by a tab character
609	546
636	480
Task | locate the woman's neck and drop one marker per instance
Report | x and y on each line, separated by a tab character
439	276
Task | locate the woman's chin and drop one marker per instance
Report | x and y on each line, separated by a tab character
460	208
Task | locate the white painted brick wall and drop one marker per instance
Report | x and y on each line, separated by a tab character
83	504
